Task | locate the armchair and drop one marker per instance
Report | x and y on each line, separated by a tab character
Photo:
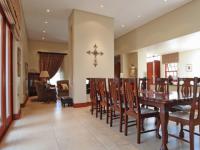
63	88
45	93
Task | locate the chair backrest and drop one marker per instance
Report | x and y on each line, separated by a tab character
195	105
185	86
142	84
131	100
162	85
114	90
101	89
93	96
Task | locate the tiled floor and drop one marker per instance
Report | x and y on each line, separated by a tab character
50	127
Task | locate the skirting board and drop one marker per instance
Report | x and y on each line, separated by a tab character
25	101
79	105
17	116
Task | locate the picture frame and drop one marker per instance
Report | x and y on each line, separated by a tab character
188	68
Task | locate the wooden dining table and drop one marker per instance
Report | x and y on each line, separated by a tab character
165	102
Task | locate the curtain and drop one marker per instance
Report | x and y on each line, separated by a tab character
50	62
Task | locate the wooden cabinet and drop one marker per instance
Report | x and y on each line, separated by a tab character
32	78
153	71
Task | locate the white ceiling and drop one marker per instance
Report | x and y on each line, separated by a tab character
124	12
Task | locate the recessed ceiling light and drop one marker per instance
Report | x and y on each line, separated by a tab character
43	38
122	25
44	31
48	10
46	22
165	0
139	16
102	6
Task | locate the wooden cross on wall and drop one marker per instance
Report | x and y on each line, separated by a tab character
95	53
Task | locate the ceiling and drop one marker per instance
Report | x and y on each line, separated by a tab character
127	14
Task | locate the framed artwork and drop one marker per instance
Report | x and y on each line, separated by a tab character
19	62
188	68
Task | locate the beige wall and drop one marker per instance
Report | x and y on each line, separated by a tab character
20	83
35	46
182	21
90	29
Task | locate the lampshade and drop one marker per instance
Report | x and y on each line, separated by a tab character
44	74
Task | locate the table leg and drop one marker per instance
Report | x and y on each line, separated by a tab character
164	118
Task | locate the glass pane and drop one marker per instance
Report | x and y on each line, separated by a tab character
0	69
7	73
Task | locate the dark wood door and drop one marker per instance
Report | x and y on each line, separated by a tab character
150	73
157	69
32	78
117	68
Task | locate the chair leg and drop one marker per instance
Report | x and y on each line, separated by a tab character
111	117
92	109
126	125
97	109
158	127
191	137
101	111
142	125
138	130
107	115
181	134
120	121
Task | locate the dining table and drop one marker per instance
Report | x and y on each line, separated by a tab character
165	101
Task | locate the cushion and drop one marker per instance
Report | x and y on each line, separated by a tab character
64	87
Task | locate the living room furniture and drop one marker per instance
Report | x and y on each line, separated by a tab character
32	78
45	92
66	100
63	88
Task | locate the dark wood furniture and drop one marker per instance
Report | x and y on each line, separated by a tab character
32	78
116	102
93	96
162	85
191	118
117	69
133	109
164	101
104	101
142	84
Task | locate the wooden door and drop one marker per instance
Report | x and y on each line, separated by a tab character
150	73
117	68
157	69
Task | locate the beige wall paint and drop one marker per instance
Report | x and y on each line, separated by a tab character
179	22
20	84
35	46
90	29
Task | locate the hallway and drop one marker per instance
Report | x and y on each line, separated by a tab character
51	127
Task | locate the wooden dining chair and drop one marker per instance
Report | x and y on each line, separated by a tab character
104	98
133	109
142	84
162	85
116	102
185	118
93	97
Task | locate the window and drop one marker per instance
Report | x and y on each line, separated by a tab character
171	70
58	76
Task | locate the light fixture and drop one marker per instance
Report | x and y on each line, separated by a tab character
122	25
139	16
44	31
48	10
165	0
43	38
46	22
102	6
